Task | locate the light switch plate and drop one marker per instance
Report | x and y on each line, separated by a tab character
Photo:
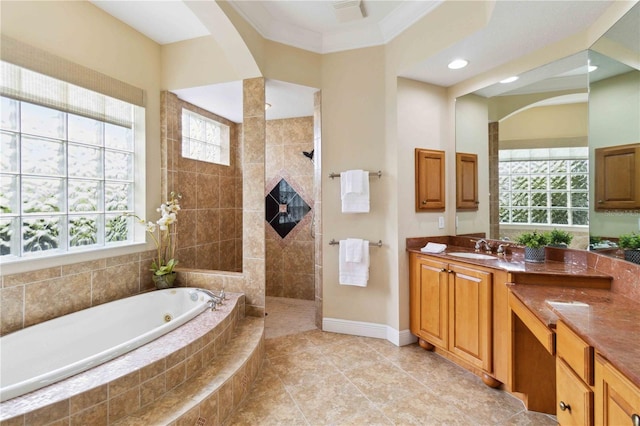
440	222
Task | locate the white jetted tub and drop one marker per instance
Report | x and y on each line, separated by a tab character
48	352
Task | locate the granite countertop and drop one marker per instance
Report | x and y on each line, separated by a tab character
515	263
607	321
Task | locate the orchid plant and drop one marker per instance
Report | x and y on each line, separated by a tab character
160	232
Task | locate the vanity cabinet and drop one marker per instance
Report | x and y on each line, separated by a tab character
574	378
429	180
450	308
617	400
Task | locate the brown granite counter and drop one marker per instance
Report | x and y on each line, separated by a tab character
514	263
608	321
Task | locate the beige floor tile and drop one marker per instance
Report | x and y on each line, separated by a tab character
384	383
330	399
530	418
314	378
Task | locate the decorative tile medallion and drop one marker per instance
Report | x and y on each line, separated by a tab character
284	208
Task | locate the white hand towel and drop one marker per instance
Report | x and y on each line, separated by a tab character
433	248
354	250
350	182
354	273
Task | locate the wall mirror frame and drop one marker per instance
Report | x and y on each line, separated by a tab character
603	104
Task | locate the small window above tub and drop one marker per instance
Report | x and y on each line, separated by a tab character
204	139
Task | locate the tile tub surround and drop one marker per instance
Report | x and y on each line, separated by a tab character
123	385
32	297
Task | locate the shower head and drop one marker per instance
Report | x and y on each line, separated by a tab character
309	154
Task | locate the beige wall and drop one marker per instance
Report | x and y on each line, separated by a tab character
609	125
353	136
547	122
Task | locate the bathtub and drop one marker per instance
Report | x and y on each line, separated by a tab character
51	351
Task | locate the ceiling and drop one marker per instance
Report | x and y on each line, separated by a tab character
516	27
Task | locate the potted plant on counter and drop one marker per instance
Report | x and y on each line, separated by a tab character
533	243
559	238
631	245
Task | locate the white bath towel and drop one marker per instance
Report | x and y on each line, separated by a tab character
433	248
354	250
354	273
354	191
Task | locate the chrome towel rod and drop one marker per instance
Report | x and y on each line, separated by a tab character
335	243
378	173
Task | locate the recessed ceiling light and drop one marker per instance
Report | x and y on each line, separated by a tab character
457	64
509	79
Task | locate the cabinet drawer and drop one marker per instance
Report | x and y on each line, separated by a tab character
575	352
574	397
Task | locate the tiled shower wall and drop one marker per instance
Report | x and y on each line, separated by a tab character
290	260
209	226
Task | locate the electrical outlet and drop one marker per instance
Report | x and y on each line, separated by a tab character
441	222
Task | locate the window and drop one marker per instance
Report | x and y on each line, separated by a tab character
67	169
204	139
544	186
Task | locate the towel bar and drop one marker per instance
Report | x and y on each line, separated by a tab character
378	173
335	243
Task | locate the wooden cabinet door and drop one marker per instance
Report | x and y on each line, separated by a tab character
617	399
470	331
466	181
574	397
617	177
428	313
429	170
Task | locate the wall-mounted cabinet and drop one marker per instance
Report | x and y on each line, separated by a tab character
618	177
466	182
429	171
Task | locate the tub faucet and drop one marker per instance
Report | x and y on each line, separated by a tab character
214	299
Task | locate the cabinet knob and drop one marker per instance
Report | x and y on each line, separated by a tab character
635	419
424	201
600	202
443	270
450	271
565	407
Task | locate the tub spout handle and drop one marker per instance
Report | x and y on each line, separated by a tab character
214	299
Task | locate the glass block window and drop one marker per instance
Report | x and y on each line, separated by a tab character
544	186
67	175
204	139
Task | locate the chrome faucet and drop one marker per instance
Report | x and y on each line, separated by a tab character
215	299
487	246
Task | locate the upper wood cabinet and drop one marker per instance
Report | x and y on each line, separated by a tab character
466	181
429	170
617	177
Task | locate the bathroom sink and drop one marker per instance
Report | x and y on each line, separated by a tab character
479	256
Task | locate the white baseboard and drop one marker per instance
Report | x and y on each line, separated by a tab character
368	329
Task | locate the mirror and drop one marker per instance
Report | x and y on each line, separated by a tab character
536	164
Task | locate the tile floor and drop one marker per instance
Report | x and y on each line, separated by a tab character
317	378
